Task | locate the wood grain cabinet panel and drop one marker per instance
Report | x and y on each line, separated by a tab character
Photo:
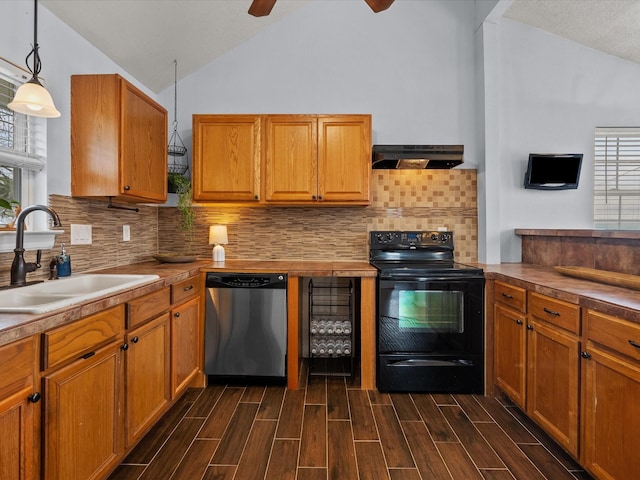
186	345
510	353
186	289
146	376
510	295
226	158
142	309
19	407
118	141
83	419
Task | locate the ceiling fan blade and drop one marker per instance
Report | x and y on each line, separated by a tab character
261	8
379	5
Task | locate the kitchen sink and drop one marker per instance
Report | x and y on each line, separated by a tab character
54	294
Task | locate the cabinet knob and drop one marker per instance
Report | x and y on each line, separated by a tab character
529	327
313	197
125	347
177	314
127	188
135	339
34	397
319	197
256	197
519	322
586	355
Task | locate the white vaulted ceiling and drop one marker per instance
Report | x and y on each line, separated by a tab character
145	36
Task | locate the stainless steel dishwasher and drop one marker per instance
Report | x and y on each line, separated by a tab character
245	326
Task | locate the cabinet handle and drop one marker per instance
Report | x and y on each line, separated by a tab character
125	347
529	327
34	397
634	344
186	289
507	296
177	314
135	339
551	312
88	355
127	188
586	355
519	322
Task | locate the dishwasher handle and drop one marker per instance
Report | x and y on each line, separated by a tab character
245	280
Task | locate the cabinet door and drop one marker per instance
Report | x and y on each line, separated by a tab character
185	345
143	150
147	375
344	158
226	158
553	359
82	428
17	424
610	420
510	353
290	160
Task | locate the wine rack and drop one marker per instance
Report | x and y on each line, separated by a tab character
331	326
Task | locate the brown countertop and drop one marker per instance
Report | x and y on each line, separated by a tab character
14	326
618	301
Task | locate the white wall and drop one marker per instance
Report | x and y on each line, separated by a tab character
63	53
553	93
411	66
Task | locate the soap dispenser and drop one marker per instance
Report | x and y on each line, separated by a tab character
64	263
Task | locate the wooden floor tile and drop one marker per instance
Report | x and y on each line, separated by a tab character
255	458
514	429
235	436
433	419
443	399
371	464
290	423
253	394
364	426
376	397
219	418
205	402
404	474
394	445
546	463
479	450
472	408
496	475
312	474
271	403
425	453
196	460
127	472
337	403
284	460
405	408
313	446
220	472
458	461
316	391
341	451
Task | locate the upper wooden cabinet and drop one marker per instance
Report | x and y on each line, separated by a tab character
226	158
118	141
282	159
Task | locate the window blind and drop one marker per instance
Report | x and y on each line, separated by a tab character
22	137
616	182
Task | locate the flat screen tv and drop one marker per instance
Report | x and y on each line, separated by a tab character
553	171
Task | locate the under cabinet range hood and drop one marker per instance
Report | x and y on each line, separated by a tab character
417	157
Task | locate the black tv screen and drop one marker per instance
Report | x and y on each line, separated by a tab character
550	171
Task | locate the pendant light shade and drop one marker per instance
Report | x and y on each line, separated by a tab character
32	98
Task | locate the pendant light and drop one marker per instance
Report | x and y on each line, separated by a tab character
32	98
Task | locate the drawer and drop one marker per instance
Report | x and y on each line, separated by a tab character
615	333
82	337
144	308
557	312
515	297
18	365
185	289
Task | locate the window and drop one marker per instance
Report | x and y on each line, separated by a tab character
22	140
616	181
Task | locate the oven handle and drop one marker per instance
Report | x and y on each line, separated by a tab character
421	362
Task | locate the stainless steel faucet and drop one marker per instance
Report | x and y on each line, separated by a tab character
20	268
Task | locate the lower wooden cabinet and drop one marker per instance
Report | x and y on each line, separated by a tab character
147	376
510	353
553	381
186	345
83	417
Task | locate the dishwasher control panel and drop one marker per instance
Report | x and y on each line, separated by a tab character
239	280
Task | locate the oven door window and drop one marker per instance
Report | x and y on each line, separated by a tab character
436	317
430	311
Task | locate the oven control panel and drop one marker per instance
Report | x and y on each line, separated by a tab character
411	239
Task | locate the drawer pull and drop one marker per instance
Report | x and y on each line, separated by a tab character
186	289
634	344
88	355
551	312
507	296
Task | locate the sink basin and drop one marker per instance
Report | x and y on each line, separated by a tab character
54	294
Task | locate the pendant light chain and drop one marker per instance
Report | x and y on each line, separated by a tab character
176	146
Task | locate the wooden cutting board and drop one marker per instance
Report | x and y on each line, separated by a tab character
603	276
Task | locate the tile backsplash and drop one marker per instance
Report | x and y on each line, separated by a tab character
401	200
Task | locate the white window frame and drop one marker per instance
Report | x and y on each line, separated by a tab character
616	180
